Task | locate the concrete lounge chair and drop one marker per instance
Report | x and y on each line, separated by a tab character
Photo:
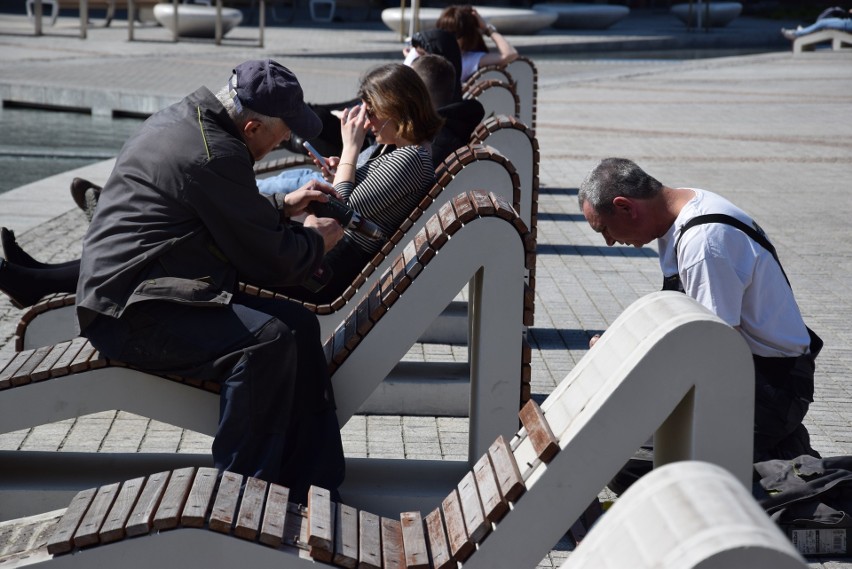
52	319
478	237
522	76
838	39
687	515
507	508
689	526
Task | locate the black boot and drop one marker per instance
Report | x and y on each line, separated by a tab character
13	253
21	296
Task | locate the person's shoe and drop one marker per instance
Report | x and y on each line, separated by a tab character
12	252
19	298
789	34
85	195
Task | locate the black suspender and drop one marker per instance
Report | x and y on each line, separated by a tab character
756	233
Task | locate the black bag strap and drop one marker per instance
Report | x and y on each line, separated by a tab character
756	234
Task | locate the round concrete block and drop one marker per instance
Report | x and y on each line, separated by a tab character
584	16
721	13
196	20
510	21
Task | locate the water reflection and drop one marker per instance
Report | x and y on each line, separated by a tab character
35	144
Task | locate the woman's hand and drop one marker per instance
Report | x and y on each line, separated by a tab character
483	25
353	127
329	169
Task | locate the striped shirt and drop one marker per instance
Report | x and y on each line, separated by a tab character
387	188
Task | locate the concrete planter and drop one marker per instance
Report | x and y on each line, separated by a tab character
721	13
509	21
584	16
196	20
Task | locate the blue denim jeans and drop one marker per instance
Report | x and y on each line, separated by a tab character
288	180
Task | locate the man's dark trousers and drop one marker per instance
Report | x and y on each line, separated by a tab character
276	416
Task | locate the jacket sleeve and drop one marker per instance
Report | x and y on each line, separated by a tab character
247	228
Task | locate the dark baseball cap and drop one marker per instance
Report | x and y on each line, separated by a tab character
267	87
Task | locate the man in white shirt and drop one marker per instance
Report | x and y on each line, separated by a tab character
726	263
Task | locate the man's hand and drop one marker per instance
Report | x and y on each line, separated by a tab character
298	201
328	228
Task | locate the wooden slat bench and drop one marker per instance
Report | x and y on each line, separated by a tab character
226	507
71	379
510	506
522	76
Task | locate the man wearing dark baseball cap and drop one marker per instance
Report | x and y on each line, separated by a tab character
179	224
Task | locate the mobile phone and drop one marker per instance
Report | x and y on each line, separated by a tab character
313	151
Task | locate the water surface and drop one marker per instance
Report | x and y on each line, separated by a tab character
35	143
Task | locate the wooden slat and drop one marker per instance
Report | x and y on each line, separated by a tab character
369	541
474	515
339	351
460	545
42	371
481	202
275	516
63	535
62	365
412	263
544	442
414	541
87	533
81	360
23	375
506	470
113	528
13	366
492	502
346	537
225	504
320	524
351	335
464	208
141	517
362	318
438	548
251	509
434	231
449	221
200	495
393	556
171	506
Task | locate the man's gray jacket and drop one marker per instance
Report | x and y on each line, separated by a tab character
180	219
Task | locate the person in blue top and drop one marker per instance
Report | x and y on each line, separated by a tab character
835	18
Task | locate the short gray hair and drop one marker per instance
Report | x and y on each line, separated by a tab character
615	177
243	115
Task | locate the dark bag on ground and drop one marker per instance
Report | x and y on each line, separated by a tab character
811	501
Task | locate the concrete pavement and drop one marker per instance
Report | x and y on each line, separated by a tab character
770	132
